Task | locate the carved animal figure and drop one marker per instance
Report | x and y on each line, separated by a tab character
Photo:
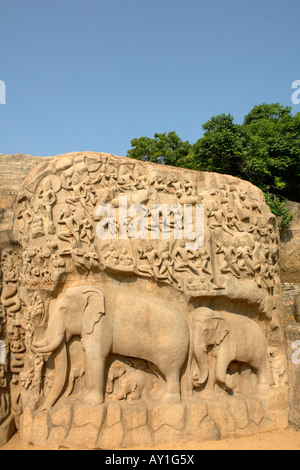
233	338
115	372
118	322
132	384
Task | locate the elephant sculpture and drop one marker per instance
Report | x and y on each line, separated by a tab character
127	383
231	337
111	321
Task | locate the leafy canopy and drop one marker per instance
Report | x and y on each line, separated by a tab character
264	149
166	149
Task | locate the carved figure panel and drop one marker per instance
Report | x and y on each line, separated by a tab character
130	283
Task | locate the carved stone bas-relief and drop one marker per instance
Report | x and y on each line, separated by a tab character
140	305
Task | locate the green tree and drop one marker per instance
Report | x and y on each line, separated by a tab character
166	149
264	149
271	112
220	149
272	150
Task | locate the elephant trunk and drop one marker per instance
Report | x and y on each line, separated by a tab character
55	334
50	347
61	366
54	343
202	363
200	354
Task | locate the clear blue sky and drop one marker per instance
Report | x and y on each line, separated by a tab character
93	74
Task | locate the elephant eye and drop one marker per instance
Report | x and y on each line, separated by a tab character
205	331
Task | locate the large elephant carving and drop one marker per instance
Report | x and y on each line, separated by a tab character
111	321
231	337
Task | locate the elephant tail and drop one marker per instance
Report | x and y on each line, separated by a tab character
189	382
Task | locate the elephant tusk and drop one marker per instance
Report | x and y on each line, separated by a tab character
48	348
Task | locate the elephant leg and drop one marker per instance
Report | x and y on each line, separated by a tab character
263	375
95	371
222	364
172	394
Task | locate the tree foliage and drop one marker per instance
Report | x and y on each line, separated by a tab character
166	149
264	149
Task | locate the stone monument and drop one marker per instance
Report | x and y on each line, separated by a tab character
140	305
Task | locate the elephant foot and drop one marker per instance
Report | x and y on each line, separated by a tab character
263	387
209	393
171	398
229	382
93	399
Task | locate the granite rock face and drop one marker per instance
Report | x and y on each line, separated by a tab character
13	170
140	304
290	247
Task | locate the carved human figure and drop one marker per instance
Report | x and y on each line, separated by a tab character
125	180
201	262
91	196
176	184
245	258
215	215
37	226
189	187
125	258
141	181
198	286
86	231
71	228
37	376
111	256
152	256
159	184
25	214
182	259
229	265
79	191
164	265
278	363
48	196
233	221
4	395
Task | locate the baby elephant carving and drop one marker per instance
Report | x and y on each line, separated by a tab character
232	337
125	382
115	372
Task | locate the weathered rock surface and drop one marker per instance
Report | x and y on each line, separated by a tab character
290	247
121	425
132	297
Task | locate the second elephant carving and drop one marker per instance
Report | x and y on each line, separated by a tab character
111	322
231	337
153	330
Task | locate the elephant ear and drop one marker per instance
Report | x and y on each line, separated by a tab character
95	308
221	330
